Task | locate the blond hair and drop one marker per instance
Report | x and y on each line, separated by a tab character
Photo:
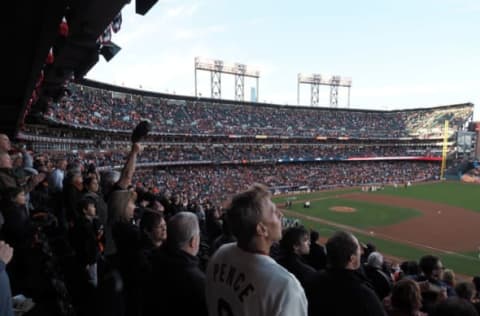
245	212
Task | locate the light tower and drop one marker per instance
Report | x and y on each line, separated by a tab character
317	80
219	67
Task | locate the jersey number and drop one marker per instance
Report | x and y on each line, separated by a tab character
223	308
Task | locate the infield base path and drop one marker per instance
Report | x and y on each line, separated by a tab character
442	226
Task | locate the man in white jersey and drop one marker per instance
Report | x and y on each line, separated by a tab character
242	279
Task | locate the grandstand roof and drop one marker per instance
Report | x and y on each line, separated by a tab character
111	87
35	27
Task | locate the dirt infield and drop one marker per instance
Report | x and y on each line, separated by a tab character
342	209
444	227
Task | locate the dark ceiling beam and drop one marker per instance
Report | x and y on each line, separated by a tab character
32	30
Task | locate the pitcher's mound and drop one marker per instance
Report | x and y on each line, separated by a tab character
343	209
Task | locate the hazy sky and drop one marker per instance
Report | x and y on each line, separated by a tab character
399	54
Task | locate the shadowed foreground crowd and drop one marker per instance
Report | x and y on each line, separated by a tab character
74	242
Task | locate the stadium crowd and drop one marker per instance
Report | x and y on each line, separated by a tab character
231	153
75	241
216	183
93	108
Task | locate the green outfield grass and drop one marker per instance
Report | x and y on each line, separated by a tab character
366	214
451	193
370	215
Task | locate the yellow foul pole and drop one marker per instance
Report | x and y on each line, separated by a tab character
444	151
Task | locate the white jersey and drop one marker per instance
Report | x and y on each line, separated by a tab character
243	283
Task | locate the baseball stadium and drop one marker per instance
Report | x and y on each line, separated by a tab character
117	200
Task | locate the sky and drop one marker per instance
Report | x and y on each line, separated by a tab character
399	54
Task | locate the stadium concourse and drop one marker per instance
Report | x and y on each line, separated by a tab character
109	222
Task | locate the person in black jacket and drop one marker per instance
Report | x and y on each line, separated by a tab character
433	288
454	306
294	244
84	269
317	258
84	239
132	262
92	190
225	238
340	290
18	231
177	285
72	194
213	223
154	229
381	282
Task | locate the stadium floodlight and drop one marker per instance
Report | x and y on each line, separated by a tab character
218	64
346	81
241	68
216	67
317	80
